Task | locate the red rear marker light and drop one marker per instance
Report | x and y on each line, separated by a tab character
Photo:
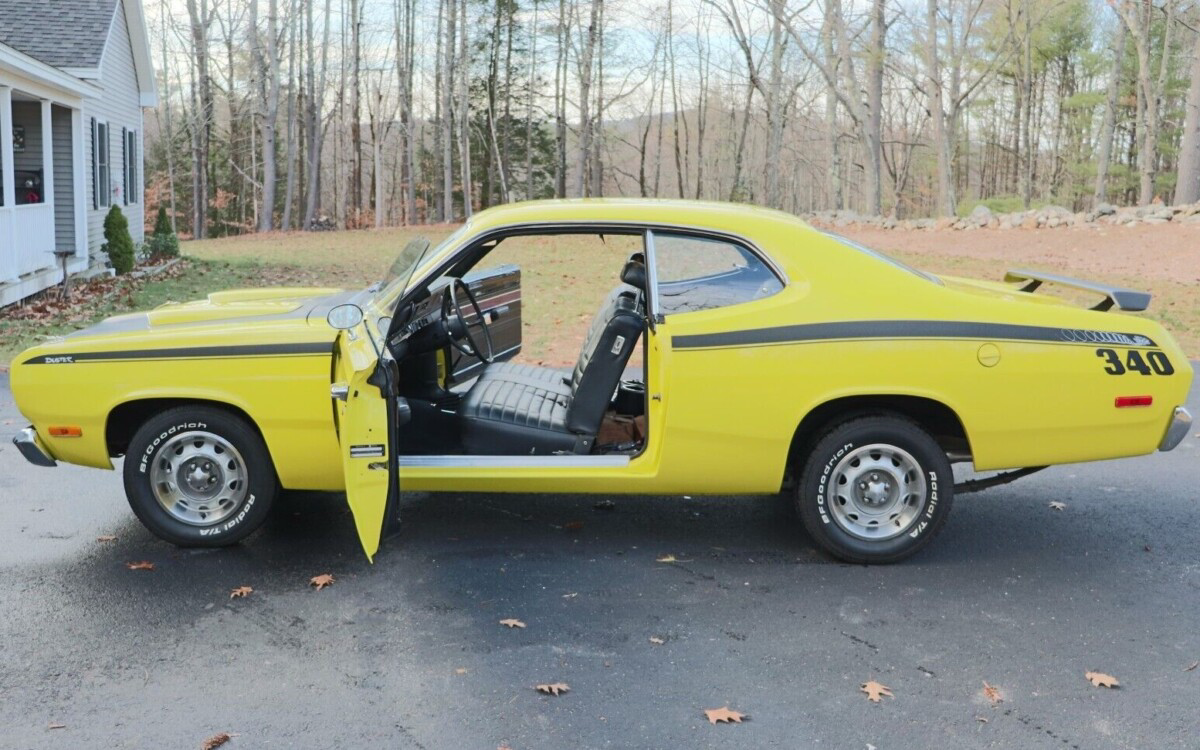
1124	401
69	430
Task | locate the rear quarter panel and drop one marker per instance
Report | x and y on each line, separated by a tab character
731	410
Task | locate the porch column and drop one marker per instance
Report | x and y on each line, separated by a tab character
80	183
6	147
47	155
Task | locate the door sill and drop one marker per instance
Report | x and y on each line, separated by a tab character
514	462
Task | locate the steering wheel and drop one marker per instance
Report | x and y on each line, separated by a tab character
470	346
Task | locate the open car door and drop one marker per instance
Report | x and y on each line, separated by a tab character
361	391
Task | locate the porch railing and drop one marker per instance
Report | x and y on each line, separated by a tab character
26	240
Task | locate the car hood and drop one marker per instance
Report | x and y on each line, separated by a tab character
230	307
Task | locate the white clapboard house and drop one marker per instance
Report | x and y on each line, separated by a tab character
74	78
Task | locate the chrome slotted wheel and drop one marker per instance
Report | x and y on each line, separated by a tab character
199	478
877	492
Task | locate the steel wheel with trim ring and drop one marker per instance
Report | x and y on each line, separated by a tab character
875	489
199	476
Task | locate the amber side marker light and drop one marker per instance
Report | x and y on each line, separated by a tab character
68	430
1124	401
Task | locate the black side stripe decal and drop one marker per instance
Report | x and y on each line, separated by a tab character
191	352
906	329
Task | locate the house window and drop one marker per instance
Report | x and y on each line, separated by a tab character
101	186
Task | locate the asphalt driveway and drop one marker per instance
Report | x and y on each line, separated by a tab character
409	653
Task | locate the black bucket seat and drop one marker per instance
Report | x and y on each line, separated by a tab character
519	409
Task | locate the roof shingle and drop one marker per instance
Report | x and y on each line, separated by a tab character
62	33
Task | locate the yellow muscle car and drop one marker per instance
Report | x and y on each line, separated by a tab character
775	357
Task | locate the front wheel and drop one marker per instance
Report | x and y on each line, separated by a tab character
197	476
875	489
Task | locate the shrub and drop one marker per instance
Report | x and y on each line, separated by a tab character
118	244
163	243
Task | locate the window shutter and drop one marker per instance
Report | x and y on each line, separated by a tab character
135	187
95	168
125	166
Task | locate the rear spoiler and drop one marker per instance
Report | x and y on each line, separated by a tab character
1124	299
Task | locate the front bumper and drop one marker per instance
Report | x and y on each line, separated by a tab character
1177	430
32	449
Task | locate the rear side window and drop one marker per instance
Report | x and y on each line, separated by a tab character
699	273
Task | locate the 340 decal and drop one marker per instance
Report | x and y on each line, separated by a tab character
1154	363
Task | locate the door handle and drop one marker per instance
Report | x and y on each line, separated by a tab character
339	391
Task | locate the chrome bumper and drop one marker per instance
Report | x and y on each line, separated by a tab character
31	448
1177	430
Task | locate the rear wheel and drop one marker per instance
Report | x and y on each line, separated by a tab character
875	489
198	476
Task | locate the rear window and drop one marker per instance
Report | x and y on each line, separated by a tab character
699	273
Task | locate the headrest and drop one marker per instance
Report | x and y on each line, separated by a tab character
634	274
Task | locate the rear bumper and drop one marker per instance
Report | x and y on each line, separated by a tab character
32	449
1181	422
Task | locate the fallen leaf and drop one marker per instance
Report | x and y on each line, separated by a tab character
571	595
56	725
1099	679
1055	505
321	581
573	525
553	688
143	565
992	693
106	538
1192	666
981	719
666	559
460	671
656	640
216	741
512	622
875	691
723	714
241	592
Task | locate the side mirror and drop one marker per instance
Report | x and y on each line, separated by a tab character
344	317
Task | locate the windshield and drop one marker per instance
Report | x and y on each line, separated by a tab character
389	291
402	268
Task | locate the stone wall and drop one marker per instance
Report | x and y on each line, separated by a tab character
1048	217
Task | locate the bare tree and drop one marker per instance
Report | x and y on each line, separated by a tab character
316	81
1187	188
200	16
267	112
585	88
1104	155
1138	16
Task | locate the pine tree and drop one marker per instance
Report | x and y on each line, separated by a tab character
163	242
118	243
